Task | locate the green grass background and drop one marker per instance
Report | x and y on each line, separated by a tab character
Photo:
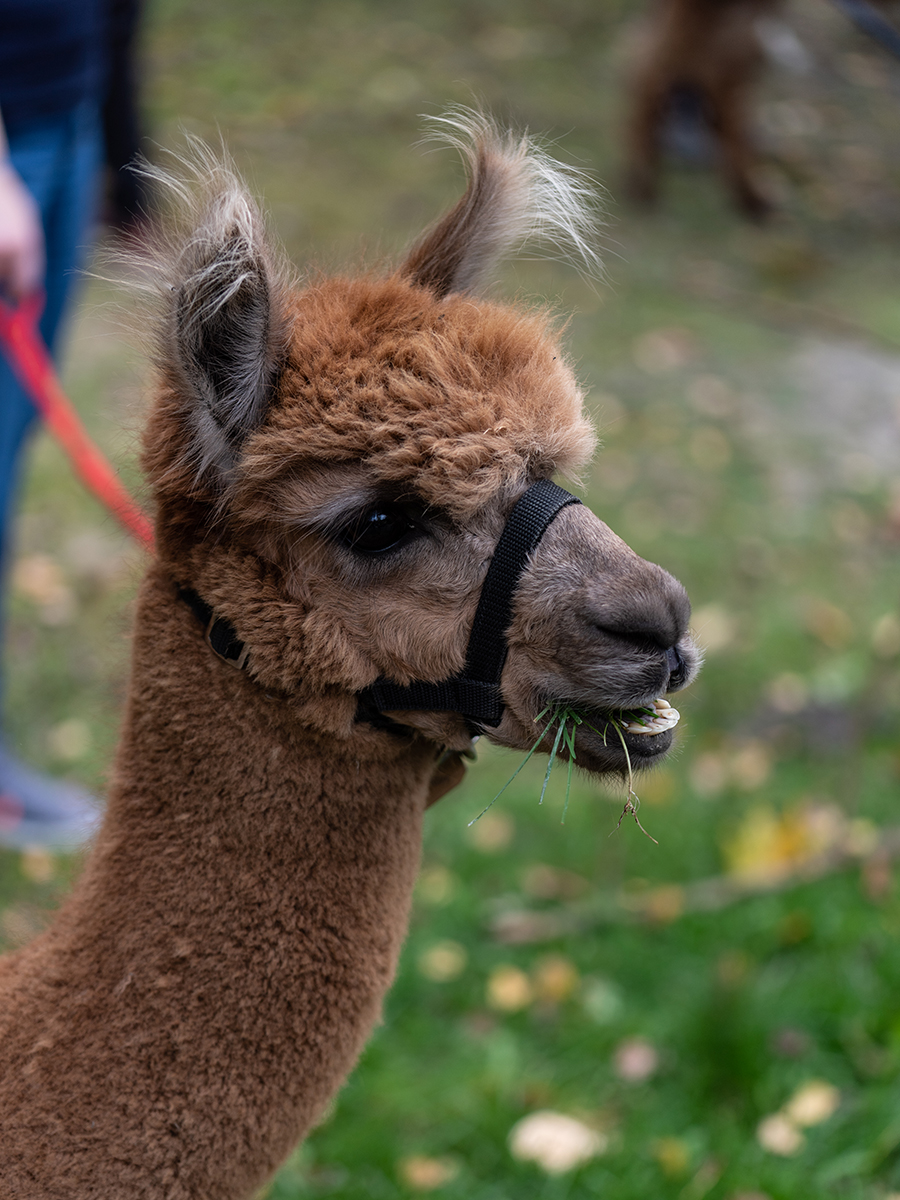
713	355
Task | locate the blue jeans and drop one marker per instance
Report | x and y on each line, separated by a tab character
59	160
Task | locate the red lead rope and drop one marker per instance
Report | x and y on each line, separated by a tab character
30	360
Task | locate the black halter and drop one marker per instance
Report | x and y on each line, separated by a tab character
475	692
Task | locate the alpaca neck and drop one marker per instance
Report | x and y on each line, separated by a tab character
217	969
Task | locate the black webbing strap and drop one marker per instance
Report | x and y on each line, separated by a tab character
475	693
220	634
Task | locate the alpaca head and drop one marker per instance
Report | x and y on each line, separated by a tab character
333	464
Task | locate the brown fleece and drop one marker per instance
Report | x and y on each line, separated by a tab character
213	976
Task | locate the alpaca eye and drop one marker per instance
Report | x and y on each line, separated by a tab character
380	529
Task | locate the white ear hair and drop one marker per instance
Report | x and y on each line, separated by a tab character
516	194
223	287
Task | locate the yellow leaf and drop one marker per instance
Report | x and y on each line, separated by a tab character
812	1103
443	961
424	1174
555	978
673	1156
509	989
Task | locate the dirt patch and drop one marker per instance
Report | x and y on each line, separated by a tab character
848	404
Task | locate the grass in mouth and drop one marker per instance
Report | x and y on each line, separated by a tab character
567	721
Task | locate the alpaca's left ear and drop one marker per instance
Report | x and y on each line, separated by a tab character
226	330
516	193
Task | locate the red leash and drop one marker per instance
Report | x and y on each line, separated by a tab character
29	358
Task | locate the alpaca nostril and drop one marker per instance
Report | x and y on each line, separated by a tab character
677	669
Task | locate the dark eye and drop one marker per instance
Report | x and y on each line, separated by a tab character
381	528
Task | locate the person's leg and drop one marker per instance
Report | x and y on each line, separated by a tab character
59	163
128	199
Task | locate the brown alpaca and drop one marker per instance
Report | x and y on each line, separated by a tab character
332	467
707	53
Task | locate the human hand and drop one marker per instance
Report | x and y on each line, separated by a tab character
21	237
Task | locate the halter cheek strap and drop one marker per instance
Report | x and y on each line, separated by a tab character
475	692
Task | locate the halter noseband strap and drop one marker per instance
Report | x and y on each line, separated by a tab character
475	692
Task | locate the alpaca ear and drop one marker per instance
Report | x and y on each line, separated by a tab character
516	193
226	334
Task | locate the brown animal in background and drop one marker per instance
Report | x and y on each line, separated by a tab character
332	467
706	54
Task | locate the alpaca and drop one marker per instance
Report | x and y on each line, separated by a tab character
701	57
332	466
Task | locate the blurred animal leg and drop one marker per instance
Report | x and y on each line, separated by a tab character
731	126
644	150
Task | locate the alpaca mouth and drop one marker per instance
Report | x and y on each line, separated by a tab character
607	737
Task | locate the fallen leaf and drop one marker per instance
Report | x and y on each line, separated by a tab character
830	624
663	904
443	961
812	1103
768	846
424	1174
41	579
508	989
555	978
555	1142
673	1155
635	1060
779	1135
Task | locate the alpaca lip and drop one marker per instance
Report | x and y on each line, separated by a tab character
620	744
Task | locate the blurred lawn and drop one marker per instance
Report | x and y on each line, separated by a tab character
747	386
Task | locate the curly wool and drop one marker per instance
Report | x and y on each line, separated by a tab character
452	397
